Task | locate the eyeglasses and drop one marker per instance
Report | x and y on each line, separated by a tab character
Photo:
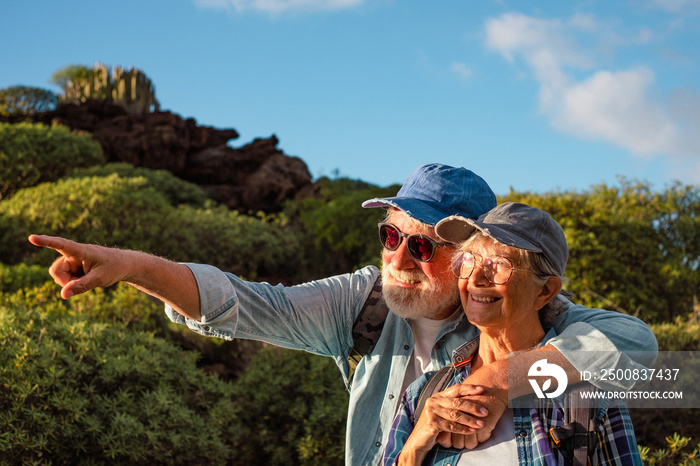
497	269
420	247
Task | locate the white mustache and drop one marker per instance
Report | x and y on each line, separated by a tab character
407	276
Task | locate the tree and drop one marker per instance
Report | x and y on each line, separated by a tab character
72	79
632	249
23	100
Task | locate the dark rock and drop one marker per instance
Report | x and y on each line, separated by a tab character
256	176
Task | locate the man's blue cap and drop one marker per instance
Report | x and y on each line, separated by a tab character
436	191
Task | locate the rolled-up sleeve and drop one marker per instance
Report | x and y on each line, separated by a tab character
218	304
315	316
599	339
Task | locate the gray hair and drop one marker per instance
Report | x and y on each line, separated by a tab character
418	224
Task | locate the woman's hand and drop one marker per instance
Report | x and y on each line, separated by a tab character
446	413
495	404
493	378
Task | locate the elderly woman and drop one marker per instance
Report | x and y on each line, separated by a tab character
510	271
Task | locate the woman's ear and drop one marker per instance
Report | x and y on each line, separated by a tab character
549	290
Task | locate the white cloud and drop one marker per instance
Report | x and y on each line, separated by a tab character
535	38
276	7
462	70
623	107
616	107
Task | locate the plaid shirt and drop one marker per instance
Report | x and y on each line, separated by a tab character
616	439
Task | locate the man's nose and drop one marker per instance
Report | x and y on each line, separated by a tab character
400	258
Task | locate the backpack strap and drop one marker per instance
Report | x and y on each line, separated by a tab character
368	327
577	440
442	378
437	383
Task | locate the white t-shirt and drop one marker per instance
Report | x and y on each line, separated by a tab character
500	448
425	332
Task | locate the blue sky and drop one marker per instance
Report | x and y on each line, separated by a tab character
538	96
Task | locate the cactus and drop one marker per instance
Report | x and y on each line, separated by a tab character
129	88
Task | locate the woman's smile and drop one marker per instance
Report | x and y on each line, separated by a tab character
483	299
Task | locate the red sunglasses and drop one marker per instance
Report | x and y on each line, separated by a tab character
420	247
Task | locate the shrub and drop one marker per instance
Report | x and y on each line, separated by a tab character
34	153
177	191
295	410
83	384
129	213
679	452
21	276
80	392
13	247
340	235
683	334
652	425
260	247
108	210
121	304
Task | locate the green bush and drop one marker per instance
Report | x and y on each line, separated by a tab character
84	384
122	304
261	247
129	213
679	452
653	425
177	191
683	334
34	153
338	233
13	247
107	210
80	392
294	413
21	276
119	305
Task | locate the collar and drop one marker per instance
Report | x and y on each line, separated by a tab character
464	354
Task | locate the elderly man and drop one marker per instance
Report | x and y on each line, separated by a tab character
423	328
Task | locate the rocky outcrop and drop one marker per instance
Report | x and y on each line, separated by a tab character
242	178
256	176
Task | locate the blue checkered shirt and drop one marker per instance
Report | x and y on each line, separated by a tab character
535	446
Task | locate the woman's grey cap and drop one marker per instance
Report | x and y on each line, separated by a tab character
435	191
513	224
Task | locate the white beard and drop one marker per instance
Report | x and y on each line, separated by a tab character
431	299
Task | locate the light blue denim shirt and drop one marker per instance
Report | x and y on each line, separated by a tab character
318	317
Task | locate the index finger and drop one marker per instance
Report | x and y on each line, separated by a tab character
62	245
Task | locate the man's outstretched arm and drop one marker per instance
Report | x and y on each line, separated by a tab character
83	267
